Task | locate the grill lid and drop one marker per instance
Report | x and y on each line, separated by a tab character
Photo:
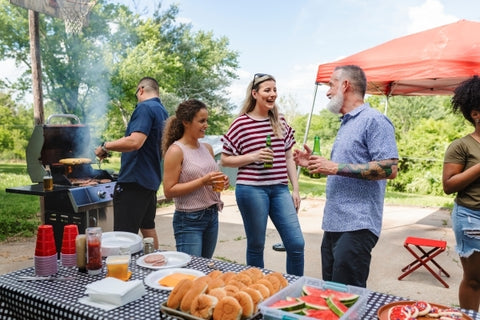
50	143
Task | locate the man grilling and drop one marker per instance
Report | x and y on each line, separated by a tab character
135	196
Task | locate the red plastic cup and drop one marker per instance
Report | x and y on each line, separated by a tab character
45	245
70	232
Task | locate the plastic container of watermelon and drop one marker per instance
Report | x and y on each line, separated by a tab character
295	290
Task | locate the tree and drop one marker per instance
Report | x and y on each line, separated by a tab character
15	129
96	71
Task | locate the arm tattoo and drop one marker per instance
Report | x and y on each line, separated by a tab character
375	170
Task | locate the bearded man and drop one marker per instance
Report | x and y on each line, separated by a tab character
364	155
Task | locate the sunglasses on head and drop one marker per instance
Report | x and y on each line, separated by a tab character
259	75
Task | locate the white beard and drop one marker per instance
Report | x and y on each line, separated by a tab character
335	103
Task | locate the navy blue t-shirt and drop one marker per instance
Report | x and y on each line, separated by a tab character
143	166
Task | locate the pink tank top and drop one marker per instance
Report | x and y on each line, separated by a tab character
197	163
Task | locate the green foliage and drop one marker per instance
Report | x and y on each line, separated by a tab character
94	74
15	128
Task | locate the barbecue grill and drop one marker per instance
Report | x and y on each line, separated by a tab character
81	194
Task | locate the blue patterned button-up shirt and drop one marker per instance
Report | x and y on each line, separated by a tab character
353	204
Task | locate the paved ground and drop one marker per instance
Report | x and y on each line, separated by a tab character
389	256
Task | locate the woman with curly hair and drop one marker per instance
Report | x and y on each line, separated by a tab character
461	174
190	172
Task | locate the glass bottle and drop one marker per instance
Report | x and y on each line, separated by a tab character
148	245
268	144
81	248
316	152
94	253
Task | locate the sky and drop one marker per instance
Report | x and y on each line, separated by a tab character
289	39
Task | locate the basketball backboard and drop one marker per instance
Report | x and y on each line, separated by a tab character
48	7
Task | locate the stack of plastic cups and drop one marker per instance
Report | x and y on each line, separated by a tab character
68	253
45	259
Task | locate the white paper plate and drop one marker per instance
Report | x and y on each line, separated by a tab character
113	241
152	279
175	259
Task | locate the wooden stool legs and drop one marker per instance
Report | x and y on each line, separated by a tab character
428	255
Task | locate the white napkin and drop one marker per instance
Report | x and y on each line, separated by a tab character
110	293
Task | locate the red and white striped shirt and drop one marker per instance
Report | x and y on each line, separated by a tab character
248	135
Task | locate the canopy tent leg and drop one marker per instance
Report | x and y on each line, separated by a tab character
308	124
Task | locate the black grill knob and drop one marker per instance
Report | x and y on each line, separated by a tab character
101	194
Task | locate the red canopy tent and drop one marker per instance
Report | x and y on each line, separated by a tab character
432	62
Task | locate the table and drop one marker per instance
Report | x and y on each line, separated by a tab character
59	299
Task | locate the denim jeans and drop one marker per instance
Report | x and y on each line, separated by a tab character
196	232
256	204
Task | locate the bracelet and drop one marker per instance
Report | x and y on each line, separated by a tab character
103	147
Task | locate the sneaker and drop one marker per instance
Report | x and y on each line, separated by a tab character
278	247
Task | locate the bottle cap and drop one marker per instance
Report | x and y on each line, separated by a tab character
148	240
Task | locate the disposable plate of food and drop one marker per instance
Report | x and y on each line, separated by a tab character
154	278
113	241
174	259
383	311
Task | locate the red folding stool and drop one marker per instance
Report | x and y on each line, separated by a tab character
437	247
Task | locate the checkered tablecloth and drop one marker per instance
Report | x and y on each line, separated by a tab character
59	299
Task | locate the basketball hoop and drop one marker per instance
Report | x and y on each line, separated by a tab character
74	13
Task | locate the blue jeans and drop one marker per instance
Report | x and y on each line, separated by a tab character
196	232
466	227
256	204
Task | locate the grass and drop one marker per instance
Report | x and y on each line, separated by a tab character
20	214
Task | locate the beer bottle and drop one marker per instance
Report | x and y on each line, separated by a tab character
268	144
316	152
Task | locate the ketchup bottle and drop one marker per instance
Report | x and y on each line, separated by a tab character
94	253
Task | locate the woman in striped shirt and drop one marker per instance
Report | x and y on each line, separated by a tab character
262	191
190	171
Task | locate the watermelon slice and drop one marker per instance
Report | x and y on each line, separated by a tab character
346	298
336	306
321	314
314	302
288	305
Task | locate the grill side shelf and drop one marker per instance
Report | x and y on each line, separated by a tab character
37	189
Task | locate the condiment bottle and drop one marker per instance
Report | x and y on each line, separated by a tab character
81	248
94	253
316	152
148	245
268	144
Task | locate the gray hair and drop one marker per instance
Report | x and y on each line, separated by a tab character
356	76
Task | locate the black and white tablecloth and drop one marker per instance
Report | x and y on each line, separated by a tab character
59	299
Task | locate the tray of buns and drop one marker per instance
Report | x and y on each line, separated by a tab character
222	295
177	314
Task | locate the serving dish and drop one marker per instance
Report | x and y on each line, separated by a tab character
383	311
177	314
113	241
152	279
175	259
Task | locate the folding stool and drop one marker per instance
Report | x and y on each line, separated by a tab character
437	247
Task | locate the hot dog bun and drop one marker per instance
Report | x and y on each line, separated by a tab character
178	292
227	309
